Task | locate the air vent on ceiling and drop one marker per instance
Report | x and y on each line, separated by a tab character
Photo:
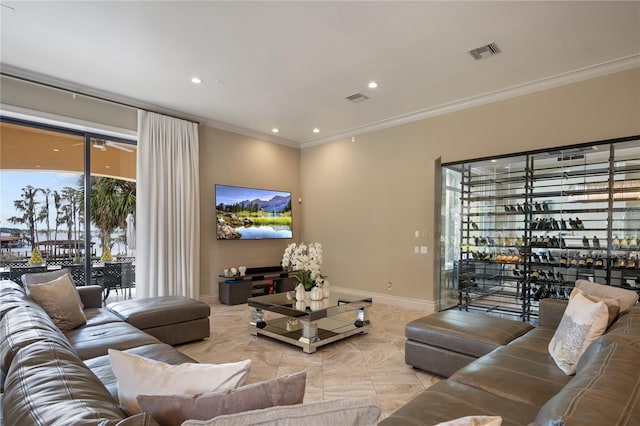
485	51
357	98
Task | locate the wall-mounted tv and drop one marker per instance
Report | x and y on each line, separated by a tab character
252	214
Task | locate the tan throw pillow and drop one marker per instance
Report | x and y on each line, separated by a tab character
335	412
613	305
627	298
137	375
170	410
474	421
60	300
583	321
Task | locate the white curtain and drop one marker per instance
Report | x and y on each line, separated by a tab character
167	207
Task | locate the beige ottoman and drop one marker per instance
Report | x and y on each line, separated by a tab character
172	319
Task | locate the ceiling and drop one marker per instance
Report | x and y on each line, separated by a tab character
290	65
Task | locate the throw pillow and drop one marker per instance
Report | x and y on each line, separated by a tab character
60	300
627	298
613	305
474	421
343	412
170	410
137	375
583	321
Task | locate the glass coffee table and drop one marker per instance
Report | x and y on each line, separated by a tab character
309	324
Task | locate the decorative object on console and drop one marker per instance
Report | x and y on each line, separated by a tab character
307	261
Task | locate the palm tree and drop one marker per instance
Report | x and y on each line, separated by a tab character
27	205
57	203
111	201
70	210
43	216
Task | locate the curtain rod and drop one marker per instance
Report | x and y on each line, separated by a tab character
88	95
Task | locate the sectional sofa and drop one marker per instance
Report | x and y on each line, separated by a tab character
521	383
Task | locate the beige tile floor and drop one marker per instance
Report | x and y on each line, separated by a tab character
363	365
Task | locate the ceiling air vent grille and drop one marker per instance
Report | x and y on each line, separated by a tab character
485	51
357	98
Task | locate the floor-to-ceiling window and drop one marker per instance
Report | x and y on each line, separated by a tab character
53	213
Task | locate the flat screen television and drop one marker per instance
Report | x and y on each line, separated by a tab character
252	214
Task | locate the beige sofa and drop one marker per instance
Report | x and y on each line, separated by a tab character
521	382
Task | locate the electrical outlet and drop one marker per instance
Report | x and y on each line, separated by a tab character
389	284
416	249
417	234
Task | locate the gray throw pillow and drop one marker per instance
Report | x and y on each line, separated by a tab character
60	300
335	412
170	410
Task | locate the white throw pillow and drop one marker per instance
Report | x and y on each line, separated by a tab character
60	300
137	375
583	321
474	421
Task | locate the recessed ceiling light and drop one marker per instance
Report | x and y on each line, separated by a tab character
56	150
196	80
316	130
275	130
372	85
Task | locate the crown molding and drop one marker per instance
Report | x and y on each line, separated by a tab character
586	73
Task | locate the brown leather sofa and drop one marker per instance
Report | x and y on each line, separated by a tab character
521	383
48	377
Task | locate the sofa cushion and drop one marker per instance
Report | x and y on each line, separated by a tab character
13	295
343	412
48	385
514	373
99	316
158	311
23	326
137	375
605	390
60	300
172	410
627	325
93	341
627	298
583	321
449	399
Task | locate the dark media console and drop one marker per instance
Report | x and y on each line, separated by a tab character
256	282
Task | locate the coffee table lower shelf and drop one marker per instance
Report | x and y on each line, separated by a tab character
292	331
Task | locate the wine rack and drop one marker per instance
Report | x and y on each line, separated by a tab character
527	226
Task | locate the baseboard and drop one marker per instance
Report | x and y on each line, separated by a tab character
209	299
426	306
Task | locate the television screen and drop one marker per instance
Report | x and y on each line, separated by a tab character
252	214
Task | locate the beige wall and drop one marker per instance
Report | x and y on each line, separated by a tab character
230	159
364	200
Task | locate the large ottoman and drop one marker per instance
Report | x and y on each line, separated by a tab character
444	342
172	319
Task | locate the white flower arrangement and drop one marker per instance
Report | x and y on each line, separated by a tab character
307	260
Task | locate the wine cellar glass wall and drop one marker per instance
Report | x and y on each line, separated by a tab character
521	228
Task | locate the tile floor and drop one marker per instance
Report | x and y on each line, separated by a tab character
363	365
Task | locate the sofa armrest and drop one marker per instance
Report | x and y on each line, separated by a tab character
91	296
551	311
